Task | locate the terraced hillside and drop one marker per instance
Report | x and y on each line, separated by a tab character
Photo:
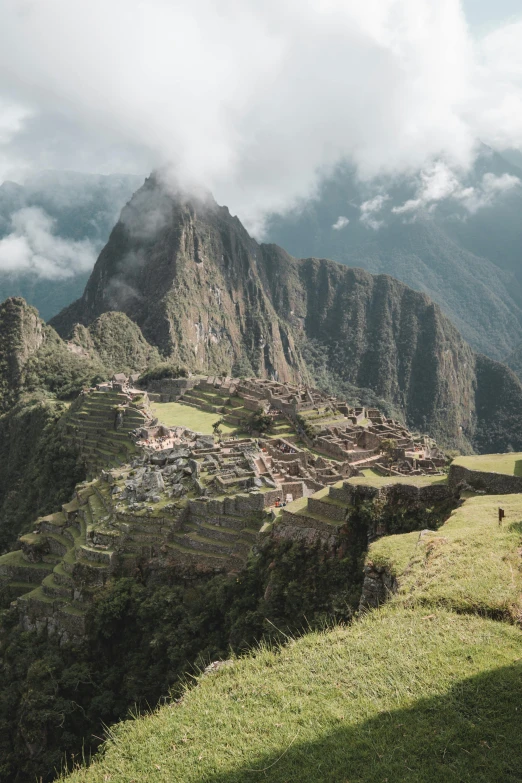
424	689
101	422
54	573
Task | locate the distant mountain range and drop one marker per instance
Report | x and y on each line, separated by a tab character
464	251
80	208
209	297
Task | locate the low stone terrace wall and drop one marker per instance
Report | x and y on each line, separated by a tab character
491	483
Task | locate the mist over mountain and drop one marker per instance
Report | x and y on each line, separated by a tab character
212	298
51	230
459	241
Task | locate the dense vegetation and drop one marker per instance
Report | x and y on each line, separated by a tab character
158	372
38	370
39	466
55	700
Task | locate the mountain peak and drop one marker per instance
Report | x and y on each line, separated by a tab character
211	298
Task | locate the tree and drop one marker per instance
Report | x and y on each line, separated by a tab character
260	422
388	446
216	427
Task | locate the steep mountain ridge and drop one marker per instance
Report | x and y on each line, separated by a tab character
193	280
467	262
209	296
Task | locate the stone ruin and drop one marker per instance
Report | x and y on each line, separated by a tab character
165	498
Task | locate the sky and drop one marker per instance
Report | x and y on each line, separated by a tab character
257	100
487	14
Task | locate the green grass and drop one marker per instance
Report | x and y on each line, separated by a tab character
511	464
16	558
397	697
374	480
469	564
175	414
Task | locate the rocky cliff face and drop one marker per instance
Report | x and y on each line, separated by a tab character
514	360
468	263
207	295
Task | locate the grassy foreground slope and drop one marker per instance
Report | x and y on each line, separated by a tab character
427	688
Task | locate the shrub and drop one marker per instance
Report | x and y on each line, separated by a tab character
163	370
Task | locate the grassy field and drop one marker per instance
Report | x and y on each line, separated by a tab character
371	479
427	689
493	463
174	414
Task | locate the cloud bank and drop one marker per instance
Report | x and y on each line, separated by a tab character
33	249
256	100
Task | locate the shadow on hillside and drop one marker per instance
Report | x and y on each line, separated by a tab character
472	734
518	468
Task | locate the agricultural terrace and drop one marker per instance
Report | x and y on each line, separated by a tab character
510	464
372	479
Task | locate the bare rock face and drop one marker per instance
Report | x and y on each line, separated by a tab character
152	482
210	297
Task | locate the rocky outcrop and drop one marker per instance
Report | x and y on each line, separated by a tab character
22	332
379	583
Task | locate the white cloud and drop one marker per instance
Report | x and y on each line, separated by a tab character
340	223
256	100
370	210
491	186
439	182
32	248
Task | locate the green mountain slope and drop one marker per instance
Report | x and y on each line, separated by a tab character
514	360
211	298
39	372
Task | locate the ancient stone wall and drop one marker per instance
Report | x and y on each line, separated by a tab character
491	483
171	389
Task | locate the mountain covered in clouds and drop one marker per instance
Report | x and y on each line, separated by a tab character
457	239
210	297
51	231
